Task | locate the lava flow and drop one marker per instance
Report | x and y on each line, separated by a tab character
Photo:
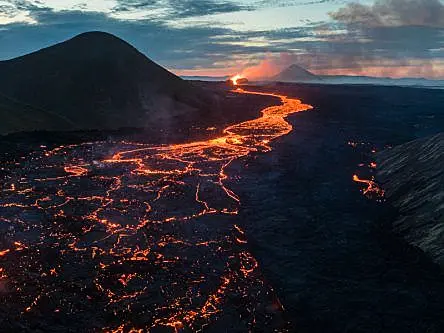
124	236
372	189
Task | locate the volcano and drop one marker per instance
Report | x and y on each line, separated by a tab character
295	73
92	81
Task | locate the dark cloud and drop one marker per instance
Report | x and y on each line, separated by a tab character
127	5
188	8
183	8
289	3
396	29
393	13
402	32
17	5
7	9
13	7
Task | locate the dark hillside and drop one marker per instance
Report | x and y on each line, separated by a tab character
93	81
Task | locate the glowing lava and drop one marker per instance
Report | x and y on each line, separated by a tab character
140	237
235	78
372	188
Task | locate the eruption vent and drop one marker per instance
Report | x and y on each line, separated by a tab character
238	80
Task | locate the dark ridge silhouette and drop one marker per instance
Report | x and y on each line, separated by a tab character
92	81
295	73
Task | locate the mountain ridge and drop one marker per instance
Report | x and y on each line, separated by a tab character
294	73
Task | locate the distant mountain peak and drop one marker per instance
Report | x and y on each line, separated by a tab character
294	66
295	73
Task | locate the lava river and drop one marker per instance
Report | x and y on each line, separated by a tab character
132	237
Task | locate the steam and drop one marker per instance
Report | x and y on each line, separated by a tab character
271	66
264	69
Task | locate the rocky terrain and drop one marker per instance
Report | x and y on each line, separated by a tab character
413	176
146	232
171	234
328	250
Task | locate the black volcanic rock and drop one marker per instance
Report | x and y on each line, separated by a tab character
295	73
93	81
413	176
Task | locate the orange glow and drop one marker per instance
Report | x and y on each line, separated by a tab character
372	188
235	78
265	69
77	171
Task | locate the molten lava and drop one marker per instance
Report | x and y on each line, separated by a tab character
130	232
235	78
372	189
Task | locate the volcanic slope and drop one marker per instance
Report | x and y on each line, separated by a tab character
413	176
92	81
295	73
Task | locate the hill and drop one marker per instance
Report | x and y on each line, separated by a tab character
295	73
92	81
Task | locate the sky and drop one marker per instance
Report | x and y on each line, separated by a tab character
390	38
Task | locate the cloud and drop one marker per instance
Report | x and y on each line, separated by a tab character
390	29
12	11
7	9
187	8
195	8
393	13
177	48
387	38
182	8
347	43
291	3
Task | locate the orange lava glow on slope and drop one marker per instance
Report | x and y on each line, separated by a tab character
372	188
117	211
